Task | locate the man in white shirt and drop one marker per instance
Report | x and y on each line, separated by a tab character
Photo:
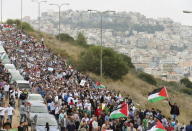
52	107
57	110
95	126
42	40
6	90
2	114
85	118
88	105
10	112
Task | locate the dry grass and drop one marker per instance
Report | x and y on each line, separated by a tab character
59	48
130	85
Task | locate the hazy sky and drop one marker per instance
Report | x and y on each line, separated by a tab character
150	8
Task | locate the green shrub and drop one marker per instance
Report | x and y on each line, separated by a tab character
65	37
187	91
147	78
10	21
186	82
25	25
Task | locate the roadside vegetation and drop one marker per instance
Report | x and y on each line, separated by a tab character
25	26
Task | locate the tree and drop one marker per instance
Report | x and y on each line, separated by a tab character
27	27
81	40
114	65
127	59
10	22
65	37
186	82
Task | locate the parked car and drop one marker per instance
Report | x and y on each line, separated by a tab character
15	75
9	66
5	59
22	84
2	50
39	123
34	98
38	109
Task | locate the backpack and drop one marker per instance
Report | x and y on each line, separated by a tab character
22	96
62	122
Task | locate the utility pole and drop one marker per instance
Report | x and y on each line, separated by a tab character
59	7
101	40
21	14
39	12
1	11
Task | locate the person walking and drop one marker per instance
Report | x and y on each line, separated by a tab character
10	112
95	126
63	121
47	126
7	125
2	116
6	90
174	110
23	112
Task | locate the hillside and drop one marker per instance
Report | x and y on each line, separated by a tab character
156	46
130	85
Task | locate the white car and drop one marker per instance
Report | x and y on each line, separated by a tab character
9	66
38	109
40	123
34	98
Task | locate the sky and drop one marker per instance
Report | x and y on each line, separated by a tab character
150	8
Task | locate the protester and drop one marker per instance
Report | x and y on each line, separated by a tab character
7	125
23	126
47	127
189	127
2	116
174	110
94	123
6	90
23	112
10	112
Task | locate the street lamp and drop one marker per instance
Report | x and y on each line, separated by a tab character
1	11
59	7
39	12
101	38
186	11
21	13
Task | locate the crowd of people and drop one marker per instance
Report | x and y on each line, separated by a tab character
73	98
6	94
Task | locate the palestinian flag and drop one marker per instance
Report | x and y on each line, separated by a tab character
157	95
99	85
158	127
122	111
14	129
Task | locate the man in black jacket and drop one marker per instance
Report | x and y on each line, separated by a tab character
174	110
189	127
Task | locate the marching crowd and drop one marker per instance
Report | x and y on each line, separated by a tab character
73	98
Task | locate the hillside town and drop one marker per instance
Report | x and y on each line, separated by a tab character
163	52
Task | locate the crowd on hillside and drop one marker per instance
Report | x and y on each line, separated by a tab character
71	96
